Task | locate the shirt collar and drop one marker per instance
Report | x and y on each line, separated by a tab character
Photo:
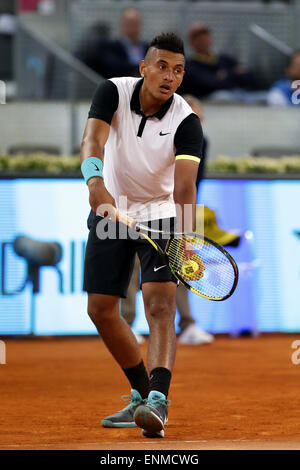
135	104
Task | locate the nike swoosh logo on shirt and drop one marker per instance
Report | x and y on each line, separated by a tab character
166	133
160	267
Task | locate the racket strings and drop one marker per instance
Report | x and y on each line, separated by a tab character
208	271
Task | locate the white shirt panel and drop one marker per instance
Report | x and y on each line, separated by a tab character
142	168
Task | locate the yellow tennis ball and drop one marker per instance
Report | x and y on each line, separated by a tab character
193	268
189	268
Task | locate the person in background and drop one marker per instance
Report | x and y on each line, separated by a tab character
90	48
190	332
282	92
114	57
129	48
208	72
121	57
206	221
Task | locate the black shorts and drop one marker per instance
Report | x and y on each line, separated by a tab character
109	262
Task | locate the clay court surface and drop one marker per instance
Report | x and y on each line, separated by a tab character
233	394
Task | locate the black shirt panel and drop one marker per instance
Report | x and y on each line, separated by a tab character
188	139
105	102
202	164
135	104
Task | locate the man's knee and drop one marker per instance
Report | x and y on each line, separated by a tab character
102	308
159	300
161	310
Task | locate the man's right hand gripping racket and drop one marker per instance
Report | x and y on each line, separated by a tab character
202	265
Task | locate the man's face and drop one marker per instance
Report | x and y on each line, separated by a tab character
163	71
293	71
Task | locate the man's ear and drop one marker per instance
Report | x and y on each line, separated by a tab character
142	68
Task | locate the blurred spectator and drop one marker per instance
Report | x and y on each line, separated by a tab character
124	54
281	93
208	72
206	221
131	48
190	333
93	45
115	57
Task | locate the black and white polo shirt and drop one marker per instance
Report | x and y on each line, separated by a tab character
141	150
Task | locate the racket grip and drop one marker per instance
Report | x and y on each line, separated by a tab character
125	219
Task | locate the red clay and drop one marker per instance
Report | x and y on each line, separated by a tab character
233	394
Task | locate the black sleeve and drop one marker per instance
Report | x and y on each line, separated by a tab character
105	102
188	138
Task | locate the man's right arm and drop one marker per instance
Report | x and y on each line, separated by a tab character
104	105
94	138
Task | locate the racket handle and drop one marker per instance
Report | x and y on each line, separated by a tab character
125	219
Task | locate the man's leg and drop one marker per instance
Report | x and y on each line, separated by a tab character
158	287
159	301
122	344
115	332
108	268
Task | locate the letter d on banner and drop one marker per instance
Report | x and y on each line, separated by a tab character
2	92
2	352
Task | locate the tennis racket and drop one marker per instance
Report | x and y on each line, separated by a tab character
200	264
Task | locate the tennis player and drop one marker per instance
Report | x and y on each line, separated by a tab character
152	140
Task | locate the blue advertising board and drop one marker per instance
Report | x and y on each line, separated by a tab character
265	213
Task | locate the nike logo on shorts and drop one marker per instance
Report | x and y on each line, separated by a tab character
160	267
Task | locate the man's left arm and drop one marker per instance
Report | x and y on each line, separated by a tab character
188	143
185	194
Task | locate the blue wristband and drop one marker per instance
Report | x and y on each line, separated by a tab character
91	167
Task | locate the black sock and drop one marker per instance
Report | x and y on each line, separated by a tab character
138	378
160	379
